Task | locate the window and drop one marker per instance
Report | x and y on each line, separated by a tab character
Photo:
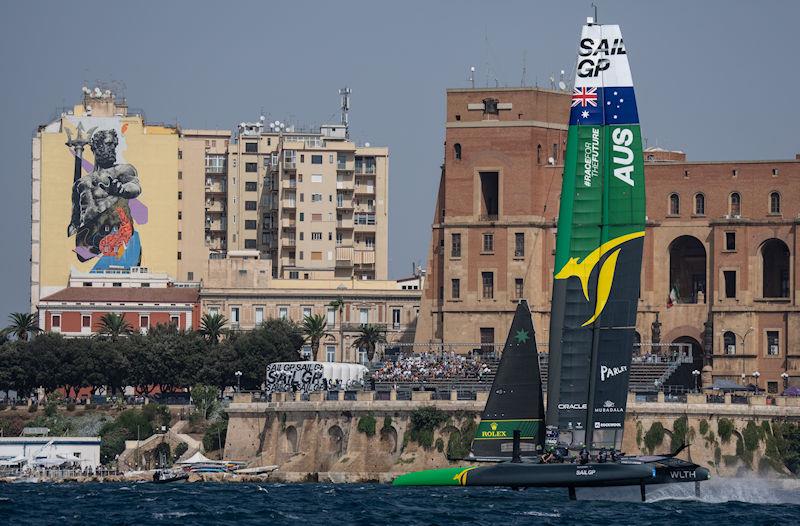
190	276
775	203
306	352
363	315
55	321
180	235
775	171
302	235
487	339
772	387
180	154
175	320
674	205
455	245
369	241
316	178
730	283
729	343
316	159
339	238
294	274
772	343
730	241
250	167
250	186
145	285
180	195
316	217
396	318
519	288
180	175
735	205
180	215
519	245
179	255
489	195
250	243
144	322
331	316
116	284
215	164
457	150
86	321
330	353
250	205
251	147
250	224
302	216
538	154
487	279
316	236
316	256
259	317
700	204
306	312
316	198
283	312
488	243
235	315
455	291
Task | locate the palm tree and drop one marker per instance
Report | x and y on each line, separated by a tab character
212	326
314	330
23	324
370	337
114	325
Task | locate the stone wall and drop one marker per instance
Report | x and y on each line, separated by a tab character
321	440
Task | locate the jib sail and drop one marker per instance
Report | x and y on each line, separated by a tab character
598	248
515	401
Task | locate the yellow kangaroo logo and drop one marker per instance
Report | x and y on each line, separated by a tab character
583	270
461	476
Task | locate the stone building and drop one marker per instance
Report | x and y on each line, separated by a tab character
719	267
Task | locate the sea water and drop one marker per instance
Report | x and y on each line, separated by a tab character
722	501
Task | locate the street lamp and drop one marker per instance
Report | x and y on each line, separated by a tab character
785	377
756	374
238	381
696	375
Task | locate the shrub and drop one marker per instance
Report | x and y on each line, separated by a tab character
423	422
157	414
725	429
162	455
751	436
459	442
717	455
742	452
679	432
180	449
215	435
71	406
654	436
387	423
439	445
366	425
639	434
765	427
703	427
33	408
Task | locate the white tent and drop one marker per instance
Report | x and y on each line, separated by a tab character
198	458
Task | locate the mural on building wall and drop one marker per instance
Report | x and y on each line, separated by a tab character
105	203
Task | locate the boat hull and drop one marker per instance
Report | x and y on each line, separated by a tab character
530	475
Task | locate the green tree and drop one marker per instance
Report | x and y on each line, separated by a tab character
314	329
212	326
23	325
251	352
114	325
369	338
205	399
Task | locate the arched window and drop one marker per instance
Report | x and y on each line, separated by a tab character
774	203
700	204
538	154
457	150
729	342
775	262
674	204
735	208
687	271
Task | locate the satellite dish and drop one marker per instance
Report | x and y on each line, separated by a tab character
262	118
550	160
561	85
271	125
366	145
241	125
472	69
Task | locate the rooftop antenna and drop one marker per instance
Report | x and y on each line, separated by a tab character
345	93
594	6
472	76
524	67
561	84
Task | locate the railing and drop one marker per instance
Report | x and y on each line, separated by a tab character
487	217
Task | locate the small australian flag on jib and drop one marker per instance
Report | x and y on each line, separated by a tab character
609	106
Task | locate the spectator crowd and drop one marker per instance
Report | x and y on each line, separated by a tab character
425	367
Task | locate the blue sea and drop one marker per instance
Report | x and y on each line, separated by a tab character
740	502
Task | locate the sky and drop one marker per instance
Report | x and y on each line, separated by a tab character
707	77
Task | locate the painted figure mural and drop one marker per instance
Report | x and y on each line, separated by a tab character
104	204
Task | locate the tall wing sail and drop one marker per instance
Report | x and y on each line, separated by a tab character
598	248
515	401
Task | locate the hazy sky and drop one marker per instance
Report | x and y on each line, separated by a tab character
713	78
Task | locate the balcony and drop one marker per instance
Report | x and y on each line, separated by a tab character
344	203
362	169
344	167
288	223
288	262
216	188
364	228
215	207
289	203
289	165
346	224
289	241
289	183
344	256
364	189
364	257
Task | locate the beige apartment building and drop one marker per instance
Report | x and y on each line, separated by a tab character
243	290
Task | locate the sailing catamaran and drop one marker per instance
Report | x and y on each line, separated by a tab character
593	314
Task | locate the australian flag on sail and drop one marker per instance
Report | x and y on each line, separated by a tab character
610	106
